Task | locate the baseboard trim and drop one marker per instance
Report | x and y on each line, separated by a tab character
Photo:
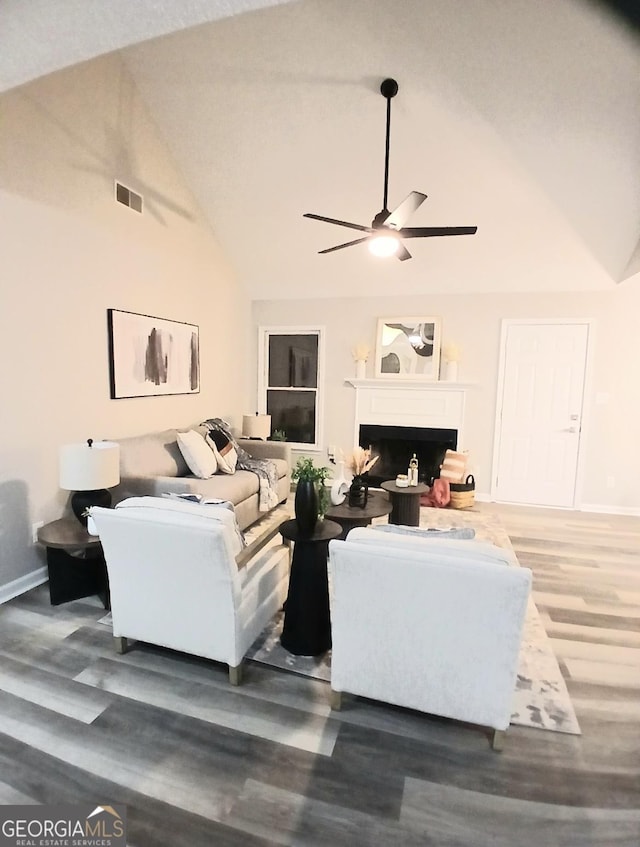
22	584
631	511
599	508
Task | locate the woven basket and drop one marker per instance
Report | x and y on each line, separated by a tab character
463	494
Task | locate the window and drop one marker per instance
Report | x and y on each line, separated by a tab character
289	382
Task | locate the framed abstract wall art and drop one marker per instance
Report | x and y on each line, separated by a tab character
408	348
152	356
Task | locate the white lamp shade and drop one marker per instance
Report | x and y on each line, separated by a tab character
88	468
256	426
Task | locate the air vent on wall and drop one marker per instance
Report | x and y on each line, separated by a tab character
128	197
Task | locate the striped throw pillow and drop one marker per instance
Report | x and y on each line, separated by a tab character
454	466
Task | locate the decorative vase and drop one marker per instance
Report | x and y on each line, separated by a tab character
358	492
306	506
340	487
451	372
361	368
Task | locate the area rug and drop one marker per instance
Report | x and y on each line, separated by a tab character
541	699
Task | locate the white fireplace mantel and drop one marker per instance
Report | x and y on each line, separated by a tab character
412	384
394	402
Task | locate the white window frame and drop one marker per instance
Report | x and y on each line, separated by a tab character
264	332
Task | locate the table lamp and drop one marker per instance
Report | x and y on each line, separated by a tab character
256	426
88	470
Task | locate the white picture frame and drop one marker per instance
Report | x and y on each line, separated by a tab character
151	356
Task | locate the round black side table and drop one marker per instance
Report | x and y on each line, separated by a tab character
307	625
348	517
406	503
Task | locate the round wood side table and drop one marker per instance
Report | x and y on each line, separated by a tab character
348	517
406	502
75	562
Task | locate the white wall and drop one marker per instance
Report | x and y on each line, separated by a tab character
519	118
612	409
69	252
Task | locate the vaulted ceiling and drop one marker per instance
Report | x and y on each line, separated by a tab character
519	118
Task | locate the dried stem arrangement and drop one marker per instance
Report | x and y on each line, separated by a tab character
361	461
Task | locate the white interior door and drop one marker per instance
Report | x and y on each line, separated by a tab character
540	403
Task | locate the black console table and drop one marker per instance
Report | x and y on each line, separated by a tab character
307	625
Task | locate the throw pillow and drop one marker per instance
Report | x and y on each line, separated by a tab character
223	449
453	466
197	454
438	496
461	532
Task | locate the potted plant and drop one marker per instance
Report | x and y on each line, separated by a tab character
323	491
311	494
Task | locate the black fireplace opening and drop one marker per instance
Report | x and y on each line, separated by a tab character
395	445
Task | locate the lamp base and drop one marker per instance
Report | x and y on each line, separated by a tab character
81	500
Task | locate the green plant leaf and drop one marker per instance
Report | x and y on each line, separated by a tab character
306	470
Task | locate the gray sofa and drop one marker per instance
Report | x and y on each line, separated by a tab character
152	464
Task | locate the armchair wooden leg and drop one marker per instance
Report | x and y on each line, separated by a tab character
235	674
336	700
120	643
497	739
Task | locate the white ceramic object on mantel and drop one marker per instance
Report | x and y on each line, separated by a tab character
91	526
361	368
340	486
451	372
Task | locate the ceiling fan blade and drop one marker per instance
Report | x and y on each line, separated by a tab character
338	223
347	244
429	231
401	214
403	254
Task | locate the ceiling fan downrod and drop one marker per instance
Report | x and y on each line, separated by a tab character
388	89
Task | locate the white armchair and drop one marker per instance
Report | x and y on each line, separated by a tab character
427	624
174	580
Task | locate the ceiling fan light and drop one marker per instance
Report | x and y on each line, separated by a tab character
384	245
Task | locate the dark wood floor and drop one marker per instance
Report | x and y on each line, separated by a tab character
198	763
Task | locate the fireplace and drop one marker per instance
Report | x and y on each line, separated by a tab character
395	445
397	419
